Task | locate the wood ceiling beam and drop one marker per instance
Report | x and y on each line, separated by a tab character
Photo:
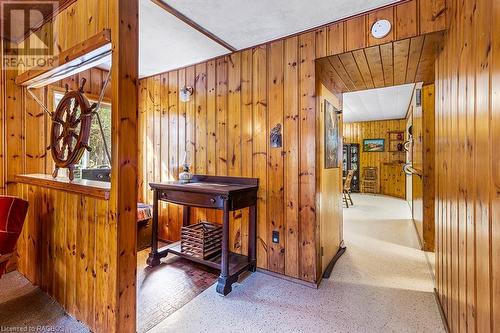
194	25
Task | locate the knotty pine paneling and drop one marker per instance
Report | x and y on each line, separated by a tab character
30	125
392	180
68	244
65	246
467	168
423	155
225	130
329	185
83	19
66	249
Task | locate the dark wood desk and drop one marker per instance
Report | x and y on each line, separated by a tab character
216	192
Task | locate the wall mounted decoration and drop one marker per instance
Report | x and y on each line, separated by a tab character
185	94
70	129
276	137
373	145
332	141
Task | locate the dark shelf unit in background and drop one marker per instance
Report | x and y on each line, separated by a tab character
350	161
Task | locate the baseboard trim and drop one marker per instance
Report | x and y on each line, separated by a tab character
441	311
328	271
288	278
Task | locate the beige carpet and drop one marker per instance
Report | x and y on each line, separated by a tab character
25	308
381	284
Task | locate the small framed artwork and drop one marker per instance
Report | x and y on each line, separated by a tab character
374	145
332	140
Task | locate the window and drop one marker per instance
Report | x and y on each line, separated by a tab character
96	158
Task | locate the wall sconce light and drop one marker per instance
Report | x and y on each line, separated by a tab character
185	94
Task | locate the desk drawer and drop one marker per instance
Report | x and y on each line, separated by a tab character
192	199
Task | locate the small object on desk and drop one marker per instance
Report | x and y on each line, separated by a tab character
185	176
215	192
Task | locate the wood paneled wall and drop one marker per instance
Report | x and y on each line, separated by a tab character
468	169
392	180
423	154
24	120
225	129
28	125
66	244
329	185
409	18
69	244
66	248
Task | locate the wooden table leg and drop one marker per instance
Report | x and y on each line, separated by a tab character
186	215
224	283
252	238
154	258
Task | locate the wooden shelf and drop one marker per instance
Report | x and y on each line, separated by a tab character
237	262
91	188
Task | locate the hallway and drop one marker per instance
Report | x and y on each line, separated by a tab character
383	247
381	284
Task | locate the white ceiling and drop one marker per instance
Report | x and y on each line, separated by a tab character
166	43
246	23
377	104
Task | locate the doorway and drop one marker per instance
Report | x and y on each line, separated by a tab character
387	96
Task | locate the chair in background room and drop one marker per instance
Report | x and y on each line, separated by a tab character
347	188
12	215
370	180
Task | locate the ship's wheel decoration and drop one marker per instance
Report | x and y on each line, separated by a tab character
71	124
70	131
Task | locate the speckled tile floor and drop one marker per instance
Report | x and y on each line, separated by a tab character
381	284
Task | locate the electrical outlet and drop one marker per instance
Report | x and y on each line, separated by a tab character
276	237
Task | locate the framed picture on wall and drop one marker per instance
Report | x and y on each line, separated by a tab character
373	145
332	140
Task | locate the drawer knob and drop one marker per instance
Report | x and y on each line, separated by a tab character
212	200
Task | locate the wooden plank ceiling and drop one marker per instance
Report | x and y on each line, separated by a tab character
406	61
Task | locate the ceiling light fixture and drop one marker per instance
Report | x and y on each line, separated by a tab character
185	94
381	28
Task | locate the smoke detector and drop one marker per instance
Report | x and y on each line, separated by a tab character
381	28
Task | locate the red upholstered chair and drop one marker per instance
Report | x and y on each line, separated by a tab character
12	214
